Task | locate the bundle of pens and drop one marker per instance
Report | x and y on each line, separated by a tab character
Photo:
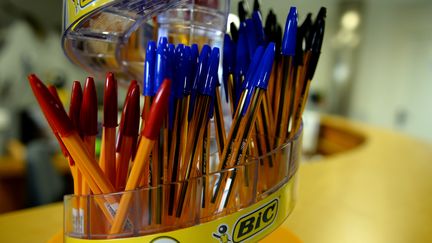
167	172
298	51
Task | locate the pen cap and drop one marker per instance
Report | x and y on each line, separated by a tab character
89	109
180	71
248	82
63	148
227	63
259	30
261	76
270	26
290	34
317	34
242	52
305	28
158	111
266	64
188	80
242	12
110	101
251	36
193	68
278	40
202	68
161	62
52	111
169	73
149	69
256	6
199	77
212	81
75	103
234	32
317	37
132	111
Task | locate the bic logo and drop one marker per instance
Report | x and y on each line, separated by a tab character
250	224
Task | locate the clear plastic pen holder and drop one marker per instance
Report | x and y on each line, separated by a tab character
112	35
199	200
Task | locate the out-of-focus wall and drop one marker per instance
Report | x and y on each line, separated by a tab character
394	80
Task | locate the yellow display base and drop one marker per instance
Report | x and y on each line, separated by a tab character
282	234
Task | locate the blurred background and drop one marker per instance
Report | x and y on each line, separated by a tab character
375	67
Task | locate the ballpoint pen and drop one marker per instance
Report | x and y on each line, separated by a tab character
107	158
74	113
286	77
148	80
128	134
88	124
147	139
312	56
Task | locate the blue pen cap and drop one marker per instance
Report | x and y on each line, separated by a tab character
211	80
227	62
266	64
201	68
188	81
169	73
193	67
161	63
261	76
259	30
242	52
180	71
149	69
290	34
198	80
247	84
251	36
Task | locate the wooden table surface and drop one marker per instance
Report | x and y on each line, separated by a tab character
380	191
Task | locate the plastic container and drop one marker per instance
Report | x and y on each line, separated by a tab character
111	35
255	200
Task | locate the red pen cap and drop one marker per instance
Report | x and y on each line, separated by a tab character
110	101
132	111
52	89
88	113
75	103
158	111
132	84
54	113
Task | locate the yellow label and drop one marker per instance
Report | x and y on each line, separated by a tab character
77	9
247	225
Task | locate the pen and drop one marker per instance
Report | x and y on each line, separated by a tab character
147	139
128	134
107	158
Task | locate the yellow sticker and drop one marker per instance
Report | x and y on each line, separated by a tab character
77	9
247	225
